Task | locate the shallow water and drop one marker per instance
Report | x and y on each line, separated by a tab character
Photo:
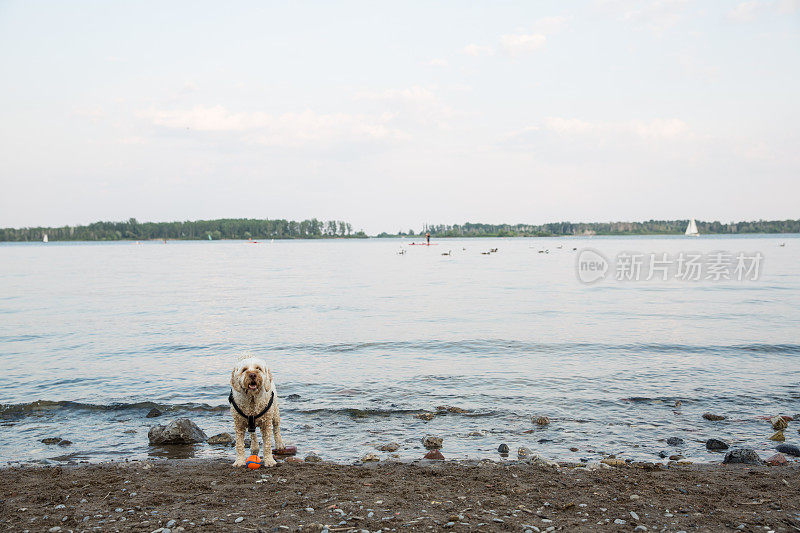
92	335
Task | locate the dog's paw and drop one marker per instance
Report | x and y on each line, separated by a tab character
269	461
238	462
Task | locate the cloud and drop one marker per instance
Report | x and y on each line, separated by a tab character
752	9
415	94
288	129
671	128
655	129
476	50
520	44
655	15
417	105
523	42
437	62
549	25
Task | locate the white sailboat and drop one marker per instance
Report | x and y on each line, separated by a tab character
44	239
691	229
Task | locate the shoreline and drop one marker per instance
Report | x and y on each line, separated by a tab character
210	495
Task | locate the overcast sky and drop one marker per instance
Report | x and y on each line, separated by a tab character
393	114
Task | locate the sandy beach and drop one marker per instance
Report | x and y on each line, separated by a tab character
209	495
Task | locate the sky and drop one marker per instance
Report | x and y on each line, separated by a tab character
391	115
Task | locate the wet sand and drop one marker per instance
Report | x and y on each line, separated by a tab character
210	495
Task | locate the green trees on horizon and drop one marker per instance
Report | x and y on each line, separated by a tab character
226	228
649	227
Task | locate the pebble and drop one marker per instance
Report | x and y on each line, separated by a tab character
309	509
450	524
540	420
498	520
51	440
390	447
153	413
675	441
503	448
170	524
676	457
619	521
432	442
54	529
713	417
60	506
427	417
313	458
634	516
524	453
640	528
241	518
716	444
370	457
118	510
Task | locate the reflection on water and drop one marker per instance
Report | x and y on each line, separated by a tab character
361	340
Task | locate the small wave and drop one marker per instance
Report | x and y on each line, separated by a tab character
40	406
507	347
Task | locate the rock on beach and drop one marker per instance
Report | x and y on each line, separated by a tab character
716	445
179	431
789	449
435	455
713	417
778	436
221	438
778	423
745	456
675	441
432	443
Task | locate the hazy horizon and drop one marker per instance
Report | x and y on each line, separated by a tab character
390	116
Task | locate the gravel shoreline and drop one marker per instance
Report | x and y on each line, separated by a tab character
210	495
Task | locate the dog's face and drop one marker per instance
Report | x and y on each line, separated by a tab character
251	376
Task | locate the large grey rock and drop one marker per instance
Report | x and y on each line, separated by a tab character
179	431
745	456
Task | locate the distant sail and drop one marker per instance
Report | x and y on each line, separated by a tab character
691	229
44	239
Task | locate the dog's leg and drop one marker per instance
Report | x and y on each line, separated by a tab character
254	443
276	429
240	458
268	459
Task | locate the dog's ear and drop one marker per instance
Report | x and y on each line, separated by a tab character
235	385
269	373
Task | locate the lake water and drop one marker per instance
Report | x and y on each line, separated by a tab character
92	335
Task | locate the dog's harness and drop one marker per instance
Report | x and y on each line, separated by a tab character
251	419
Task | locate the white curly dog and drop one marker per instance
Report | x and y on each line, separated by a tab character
254	404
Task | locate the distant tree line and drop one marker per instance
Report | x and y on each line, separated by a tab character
650	227
227	228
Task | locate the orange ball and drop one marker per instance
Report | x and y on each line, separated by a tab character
253	462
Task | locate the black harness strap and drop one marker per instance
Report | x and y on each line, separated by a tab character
251	419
